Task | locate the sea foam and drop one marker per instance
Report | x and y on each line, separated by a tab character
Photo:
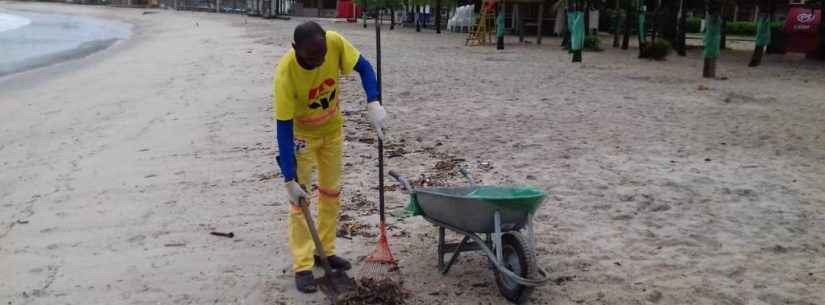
11	22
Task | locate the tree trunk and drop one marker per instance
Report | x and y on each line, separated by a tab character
759	51
364	13
723	44
681	39
642	30
539	23
577	54
626	38
417	19
587	20
617	20
713	11
668	22
392	18
756	58
565	42
500	27
709	70
438	16
771	15
820	49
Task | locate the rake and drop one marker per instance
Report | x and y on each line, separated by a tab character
381	263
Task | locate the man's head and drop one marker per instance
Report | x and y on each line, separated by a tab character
310	44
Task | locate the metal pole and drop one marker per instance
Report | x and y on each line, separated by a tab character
380	142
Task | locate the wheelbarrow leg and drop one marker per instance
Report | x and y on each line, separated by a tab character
457	252
441	248
497	236
531	233
488	240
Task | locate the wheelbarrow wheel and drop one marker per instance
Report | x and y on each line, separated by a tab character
520	259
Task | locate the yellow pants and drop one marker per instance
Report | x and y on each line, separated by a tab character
325	153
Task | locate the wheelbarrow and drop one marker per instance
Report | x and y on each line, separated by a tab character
500	213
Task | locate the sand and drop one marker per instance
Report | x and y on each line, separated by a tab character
666	188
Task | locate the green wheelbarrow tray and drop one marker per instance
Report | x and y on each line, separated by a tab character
472	208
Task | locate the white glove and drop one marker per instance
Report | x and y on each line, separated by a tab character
377	115
295	192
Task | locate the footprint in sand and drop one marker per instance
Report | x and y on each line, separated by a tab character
137	238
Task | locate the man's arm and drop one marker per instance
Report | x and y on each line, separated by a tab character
283	104
368	80
285	138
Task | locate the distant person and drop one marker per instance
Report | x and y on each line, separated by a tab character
310	134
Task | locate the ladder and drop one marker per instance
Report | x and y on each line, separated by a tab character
482	31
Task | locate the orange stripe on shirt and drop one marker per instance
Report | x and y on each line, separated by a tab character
321	119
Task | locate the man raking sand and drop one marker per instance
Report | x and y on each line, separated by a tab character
310	135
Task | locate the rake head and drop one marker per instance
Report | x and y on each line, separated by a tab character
381	263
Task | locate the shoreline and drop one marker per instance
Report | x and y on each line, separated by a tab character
85	49
88	35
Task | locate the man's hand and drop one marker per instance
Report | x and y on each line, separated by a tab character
377	116
296	193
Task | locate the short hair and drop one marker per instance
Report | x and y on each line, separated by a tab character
306	31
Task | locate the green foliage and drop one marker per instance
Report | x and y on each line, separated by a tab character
383	4
741	28
694	24
592	43
658	50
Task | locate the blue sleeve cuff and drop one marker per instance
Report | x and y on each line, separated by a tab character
368	80
285	138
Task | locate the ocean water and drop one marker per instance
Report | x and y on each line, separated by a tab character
11	22
31	40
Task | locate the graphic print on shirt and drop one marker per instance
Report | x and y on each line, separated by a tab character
325	101
300	146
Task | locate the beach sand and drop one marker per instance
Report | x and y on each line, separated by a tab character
666	188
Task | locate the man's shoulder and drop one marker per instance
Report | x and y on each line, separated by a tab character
333	35
286	61
335	39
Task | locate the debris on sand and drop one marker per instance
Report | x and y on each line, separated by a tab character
373	291
223	234
395	150
350	229
359	203
367	140
267	176
449	165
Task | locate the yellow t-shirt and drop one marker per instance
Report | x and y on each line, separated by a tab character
311	97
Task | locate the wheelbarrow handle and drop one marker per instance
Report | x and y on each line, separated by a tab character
466	173
404	182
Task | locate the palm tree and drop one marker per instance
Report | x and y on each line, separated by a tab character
712	29
763	28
